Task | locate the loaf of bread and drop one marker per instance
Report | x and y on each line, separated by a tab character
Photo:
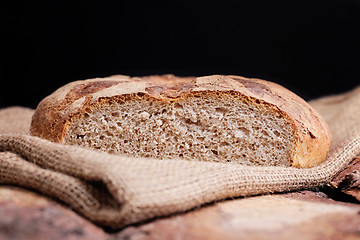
213	118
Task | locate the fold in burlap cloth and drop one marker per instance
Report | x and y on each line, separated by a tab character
114	190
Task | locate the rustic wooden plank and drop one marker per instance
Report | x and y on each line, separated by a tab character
301	215
348	181
27	215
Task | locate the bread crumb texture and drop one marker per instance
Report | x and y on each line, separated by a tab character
220	127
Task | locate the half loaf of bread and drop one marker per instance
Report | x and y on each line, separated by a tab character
213	118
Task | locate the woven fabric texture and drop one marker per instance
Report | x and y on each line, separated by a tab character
115	190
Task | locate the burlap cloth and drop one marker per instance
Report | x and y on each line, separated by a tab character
115	191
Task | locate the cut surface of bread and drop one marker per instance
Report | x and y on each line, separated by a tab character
215	118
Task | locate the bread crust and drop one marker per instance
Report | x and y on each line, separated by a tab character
55	113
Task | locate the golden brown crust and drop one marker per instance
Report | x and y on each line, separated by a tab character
54	113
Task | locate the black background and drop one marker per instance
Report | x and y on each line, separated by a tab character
310	47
